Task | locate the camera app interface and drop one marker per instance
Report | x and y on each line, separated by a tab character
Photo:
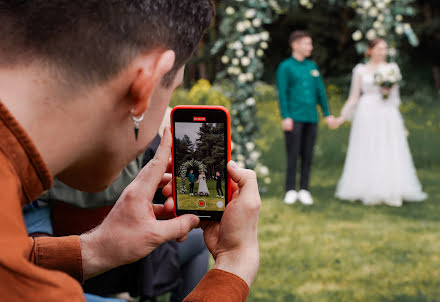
200	166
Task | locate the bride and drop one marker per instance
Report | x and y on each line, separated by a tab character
378	167
203	188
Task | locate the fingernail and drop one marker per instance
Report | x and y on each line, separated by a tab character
233	164
195	221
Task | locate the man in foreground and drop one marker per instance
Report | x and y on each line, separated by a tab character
83	89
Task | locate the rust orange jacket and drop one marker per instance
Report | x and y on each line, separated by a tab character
50	268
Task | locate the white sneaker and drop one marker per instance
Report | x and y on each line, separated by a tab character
290	197
305	197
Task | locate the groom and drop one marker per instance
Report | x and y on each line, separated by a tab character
300	90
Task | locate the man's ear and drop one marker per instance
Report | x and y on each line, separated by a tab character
150	73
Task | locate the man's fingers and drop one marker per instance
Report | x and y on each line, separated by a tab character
182	239
177	227
245	179
167	191
148	179
165	211
166	179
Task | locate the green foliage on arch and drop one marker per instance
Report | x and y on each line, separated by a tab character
183	170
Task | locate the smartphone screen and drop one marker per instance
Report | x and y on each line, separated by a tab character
200	156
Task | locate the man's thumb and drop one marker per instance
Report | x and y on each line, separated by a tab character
178	227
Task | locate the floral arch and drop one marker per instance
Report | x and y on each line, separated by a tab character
243	41
184	168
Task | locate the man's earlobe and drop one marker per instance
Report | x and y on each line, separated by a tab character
140	91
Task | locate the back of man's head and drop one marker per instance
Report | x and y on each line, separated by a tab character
88	42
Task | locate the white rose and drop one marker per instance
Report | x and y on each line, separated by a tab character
254	155
250	146
357	35
240	157
264	170
256	22
367	4
225	60
399	18
373	12
250	76
250	102
267	180
399	29
251	53
406	26
381	32
361	11
248	39
250	13
245	61
247	24
380	5
264	35
381	17
303	2
242	78
264	45
260	53
371	34
239	53
235	61
240	27
230	70
230	10
377	24
238	45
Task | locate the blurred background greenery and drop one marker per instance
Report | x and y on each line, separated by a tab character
334	250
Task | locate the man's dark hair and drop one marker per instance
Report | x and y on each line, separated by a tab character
298	34
90	41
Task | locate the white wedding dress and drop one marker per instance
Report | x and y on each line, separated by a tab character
203	188
378	167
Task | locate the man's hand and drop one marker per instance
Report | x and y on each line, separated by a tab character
233	242
131	230
331	122
288	124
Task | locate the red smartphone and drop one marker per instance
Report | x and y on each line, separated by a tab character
201	150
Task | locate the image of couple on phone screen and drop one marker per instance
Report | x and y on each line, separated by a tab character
200	164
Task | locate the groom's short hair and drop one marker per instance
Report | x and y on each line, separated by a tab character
298	34
91	41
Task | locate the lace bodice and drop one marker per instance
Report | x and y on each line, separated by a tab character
364	87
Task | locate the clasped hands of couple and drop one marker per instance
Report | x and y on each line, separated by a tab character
332	122
132	229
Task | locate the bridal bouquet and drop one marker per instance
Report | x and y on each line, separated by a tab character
386	77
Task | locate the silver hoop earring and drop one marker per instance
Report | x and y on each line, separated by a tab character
136	121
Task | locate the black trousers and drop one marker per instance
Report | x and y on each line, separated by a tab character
191	187
219	189
300	142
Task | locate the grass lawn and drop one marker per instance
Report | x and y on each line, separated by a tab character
188	202
339	251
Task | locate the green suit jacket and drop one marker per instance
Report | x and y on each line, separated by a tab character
300	90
